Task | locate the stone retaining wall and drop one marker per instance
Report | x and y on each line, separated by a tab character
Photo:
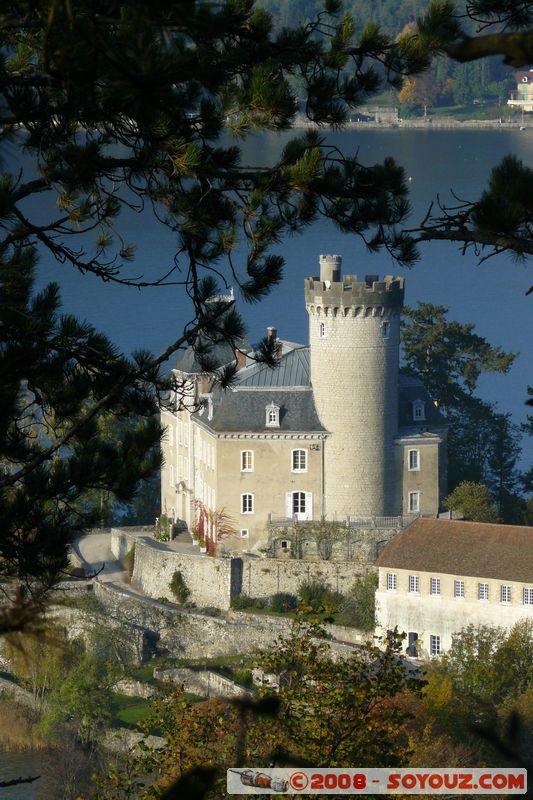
213	581
208	579
13	691
203	682
267	576
133	688
181	633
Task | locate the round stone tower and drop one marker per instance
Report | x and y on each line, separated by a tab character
354	335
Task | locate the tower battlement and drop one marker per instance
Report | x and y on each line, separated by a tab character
347	296
350	297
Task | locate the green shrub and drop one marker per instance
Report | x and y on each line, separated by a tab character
283	602
129	560
243	677
318	597
163	529
179	588
358	608
240	602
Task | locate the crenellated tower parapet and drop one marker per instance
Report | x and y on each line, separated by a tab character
348	297
354	335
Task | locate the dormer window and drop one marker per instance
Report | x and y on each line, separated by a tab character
272	416
419	411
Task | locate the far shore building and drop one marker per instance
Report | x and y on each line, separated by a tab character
438	576
336	431
523	97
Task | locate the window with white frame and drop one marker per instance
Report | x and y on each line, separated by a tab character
434	586
483	591
322	329
414	502
170	431
414	583
247	461
244	533
298	502
419	410
299	460
247	503
434	645
527	596
385	330
505	594
392	581
414	460
171	474
459	589
272	416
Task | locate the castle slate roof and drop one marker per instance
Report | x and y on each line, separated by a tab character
455	547
293	370
221	354
410	390
242	408
240	411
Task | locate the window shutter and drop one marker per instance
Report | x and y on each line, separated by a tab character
309	505
288	505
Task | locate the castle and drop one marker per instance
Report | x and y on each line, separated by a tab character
335	431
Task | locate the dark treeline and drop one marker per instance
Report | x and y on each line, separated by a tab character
446	82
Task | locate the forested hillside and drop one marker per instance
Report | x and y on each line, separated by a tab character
447	82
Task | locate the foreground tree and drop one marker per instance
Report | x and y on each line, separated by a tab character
327	714
124	105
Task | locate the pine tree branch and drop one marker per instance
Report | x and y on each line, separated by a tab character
500	242
121	384
516	47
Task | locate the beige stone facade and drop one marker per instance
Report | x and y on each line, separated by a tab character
444	614
438	576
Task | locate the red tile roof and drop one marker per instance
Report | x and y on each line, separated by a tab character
454	547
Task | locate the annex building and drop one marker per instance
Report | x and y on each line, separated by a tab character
438	575
335	431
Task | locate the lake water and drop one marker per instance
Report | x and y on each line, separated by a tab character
21	765
491	295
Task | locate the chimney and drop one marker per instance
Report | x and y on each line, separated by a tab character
272	333
240	358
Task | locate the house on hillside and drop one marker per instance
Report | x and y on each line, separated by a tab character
523	97
437	576
335	431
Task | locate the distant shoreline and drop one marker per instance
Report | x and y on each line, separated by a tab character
429	124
